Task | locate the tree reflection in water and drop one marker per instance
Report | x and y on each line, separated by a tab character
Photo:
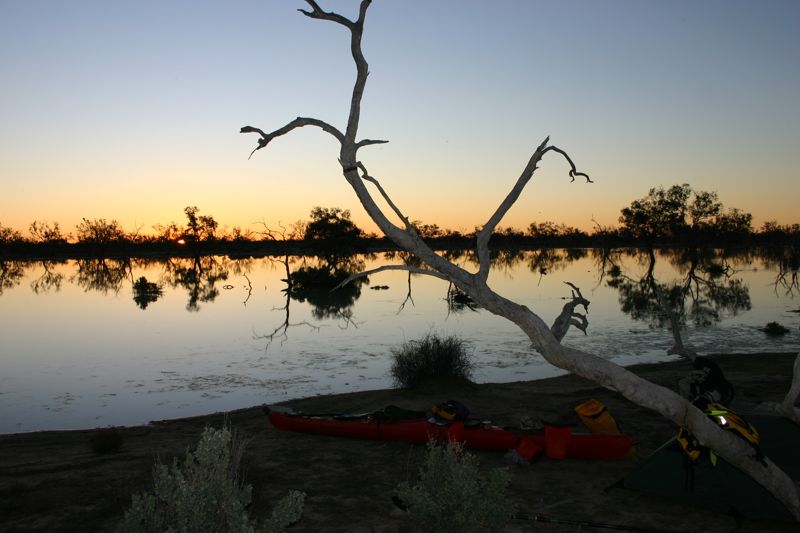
319	286
101	275
50	280
11	273
145	292
706	289
198	275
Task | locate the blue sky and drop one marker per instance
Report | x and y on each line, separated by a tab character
131	110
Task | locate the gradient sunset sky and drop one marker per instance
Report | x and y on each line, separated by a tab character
131	110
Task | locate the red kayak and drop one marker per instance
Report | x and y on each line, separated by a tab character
556	443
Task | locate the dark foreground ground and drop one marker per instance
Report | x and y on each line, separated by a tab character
52	481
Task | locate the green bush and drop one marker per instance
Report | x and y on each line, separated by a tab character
452	493
205	493
432	358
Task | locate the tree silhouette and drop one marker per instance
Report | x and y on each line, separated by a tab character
680	212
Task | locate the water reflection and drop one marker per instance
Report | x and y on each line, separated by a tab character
705	289
319	285
146	292
165	362
102	275
11	274
198	276
50	280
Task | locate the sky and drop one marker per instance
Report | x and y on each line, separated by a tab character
131	110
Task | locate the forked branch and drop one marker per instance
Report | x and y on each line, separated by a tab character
486	231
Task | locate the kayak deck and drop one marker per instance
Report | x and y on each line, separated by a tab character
557	443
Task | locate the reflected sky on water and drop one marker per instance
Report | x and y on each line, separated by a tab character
103	342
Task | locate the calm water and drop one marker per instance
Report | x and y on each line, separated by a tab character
81	348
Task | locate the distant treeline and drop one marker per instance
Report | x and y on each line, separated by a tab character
665	217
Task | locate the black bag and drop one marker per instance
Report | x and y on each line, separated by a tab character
708	384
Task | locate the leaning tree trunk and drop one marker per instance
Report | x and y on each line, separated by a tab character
474	284
789	407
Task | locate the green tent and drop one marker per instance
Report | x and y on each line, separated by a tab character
723	487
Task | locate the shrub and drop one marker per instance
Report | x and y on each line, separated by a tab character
204	493
774	328
432	358
452	493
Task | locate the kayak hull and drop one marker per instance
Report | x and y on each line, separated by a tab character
558	444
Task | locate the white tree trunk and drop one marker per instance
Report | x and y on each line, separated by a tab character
642	392
789	407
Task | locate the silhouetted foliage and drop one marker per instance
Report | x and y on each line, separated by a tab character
99	232
550	230
199	227
679	213
331	227
8	235
45	232
145	292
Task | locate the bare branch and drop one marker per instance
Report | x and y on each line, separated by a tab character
406	268
569	317
318	13
573	171
299	122
387	199
367	142
485	233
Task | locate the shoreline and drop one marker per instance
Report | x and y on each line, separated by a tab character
338	397
52	481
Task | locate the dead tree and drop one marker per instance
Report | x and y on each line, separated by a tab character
636	389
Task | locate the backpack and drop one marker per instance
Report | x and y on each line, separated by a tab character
708	383
727	420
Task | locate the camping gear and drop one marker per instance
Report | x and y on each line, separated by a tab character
596	417
451	410
723	487
707	383
483	437
726	419
556	441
